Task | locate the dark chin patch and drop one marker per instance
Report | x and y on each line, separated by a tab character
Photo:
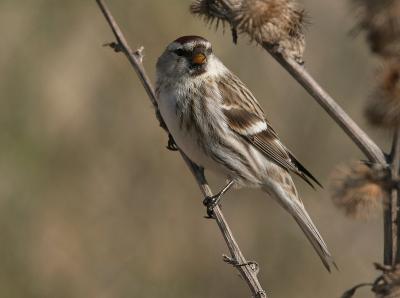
196	70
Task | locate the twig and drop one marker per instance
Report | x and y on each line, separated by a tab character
247	271
391	254
245	268
388	232
359	137
351	292
394	203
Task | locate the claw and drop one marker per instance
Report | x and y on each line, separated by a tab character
210	203
171	144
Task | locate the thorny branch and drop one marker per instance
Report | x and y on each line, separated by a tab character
248	270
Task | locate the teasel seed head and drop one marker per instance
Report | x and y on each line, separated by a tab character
359	190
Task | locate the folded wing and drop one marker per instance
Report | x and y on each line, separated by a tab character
247	119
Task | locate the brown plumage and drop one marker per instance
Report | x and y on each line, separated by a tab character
242	116
245	115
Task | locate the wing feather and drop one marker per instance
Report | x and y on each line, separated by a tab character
247	119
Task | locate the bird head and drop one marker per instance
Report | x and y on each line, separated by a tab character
187	56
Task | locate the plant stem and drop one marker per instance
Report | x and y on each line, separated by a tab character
394	204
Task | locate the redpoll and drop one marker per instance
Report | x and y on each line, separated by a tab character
216	121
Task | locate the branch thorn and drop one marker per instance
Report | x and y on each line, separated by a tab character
252	264
139	53
117	47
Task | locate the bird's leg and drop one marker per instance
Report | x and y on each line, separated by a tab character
211	202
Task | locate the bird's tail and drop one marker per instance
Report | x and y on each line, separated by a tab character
296	208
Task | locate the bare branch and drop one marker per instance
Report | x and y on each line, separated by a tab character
392	246
359	137
246	269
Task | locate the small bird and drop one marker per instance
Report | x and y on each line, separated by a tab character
217	122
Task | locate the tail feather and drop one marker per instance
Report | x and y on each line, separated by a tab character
296	208
315	238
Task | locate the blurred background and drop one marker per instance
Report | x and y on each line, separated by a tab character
93	205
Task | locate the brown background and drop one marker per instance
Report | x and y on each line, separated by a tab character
91	203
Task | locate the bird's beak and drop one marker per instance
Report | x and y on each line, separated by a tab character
199	59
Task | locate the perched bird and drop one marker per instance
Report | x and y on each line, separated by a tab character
216	121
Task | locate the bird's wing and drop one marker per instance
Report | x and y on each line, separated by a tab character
246	118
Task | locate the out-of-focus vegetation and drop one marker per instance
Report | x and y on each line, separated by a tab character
93	205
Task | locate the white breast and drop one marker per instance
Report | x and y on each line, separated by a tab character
186	140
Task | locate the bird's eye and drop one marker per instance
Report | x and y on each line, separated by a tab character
179	52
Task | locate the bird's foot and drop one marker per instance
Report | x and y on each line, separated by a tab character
211	203
171	144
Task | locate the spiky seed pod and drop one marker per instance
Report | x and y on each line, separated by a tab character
277	23
383	108
211	10
381	21
388	285
358	190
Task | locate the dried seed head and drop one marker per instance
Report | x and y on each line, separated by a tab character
358	190
383	108
210	10
381	21
277	23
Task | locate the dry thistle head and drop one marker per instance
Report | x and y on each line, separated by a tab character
276	23
211	10
383	108
388	285
358	190
381	21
